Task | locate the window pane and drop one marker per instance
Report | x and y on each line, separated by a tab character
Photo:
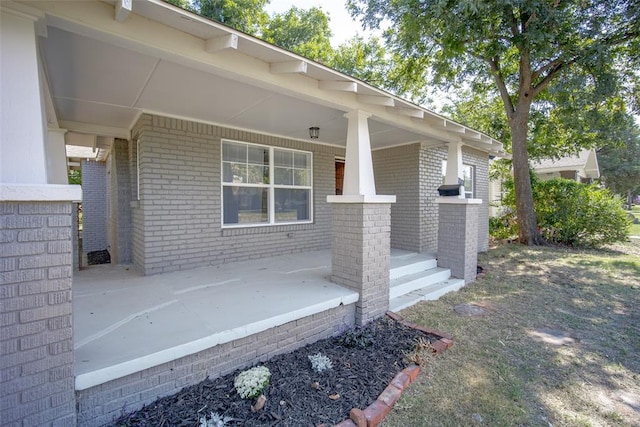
234	152
257	174
283	158
258	155
245	205
301	177
235	172
292	205
301	161
283	176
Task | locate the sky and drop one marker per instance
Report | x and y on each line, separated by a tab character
342	26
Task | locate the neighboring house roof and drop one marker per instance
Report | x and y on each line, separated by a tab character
586	161
105	66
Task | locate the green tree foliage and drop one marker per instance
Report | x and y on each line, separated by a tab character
247	16
305	32
524	50
365	60
75	177
183	4
569	213
620	164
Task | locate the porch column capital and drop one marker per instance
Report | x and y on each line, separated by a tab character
358	175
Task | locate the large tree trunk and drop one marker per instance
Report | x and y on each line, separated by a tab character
527	224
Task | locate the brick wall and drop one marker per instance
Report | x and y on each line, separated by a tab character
94	206
430	179
36	348
360	255
178	222
480	161
102	404
396	172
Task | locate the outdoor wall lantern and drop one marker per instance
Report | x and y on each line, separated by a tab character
314	132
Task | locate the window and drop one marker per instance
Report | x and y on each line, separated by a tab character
265	185
468	173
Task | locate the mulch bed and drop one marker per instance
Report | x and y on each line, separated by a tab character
358	376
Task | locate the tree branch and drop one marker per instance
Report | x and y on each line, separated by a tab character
502	87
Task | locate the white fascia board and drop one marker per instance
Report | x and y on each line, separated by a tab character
288	67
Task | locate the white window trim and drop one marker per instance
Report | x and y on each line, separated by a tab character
271	187
468	193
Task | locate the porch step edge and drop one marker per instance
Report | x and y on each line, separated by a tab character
110	373
412	268
419	280
428	293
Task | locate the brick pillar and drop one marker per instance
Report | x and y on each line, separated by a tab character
361	253
458	236
36	346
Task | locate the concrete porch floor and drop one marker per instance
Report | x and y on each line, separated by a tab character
125	322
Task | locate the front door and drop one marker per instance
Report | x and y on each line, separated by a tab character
339	176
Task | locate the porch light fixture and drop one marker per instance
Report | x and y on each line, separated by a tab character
314	132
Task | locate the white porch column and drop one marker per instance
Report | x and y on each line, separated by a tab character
454	171
56	157
358	166
23	134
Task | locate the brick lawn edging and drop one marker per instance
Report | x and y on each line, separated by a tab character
373	414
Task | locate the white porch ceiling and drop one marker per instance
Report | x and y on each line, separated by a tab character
101	78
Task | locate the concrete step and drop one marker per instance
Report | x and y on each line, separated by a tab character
428	293
411	282
411	263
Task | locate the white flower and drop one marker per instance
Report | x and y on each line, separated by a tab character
251	383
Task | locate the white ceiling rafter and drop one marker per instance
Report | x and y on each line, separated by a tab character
385	101
409	112
288	67
122	10
339	86
215	44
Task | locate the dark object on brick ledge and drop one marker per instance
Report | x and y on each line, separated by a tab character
99	257
449	190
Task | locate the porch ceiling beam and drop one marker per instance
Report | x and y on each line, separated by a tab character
230	41
122	9
386	101
81	139
288	67
340	86
409	112
95	129
434	120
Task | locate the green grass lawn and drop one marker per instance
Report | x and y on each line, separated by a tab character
501	371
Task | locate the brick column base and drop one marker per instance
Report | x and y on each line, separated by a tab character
36	348
458	236
361	255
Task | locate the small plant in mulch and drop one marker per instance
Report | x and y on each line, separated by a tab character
250	383
320	362
216	420
358	337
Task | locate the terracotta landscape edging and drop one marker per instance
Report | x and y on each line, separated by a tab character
373	414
